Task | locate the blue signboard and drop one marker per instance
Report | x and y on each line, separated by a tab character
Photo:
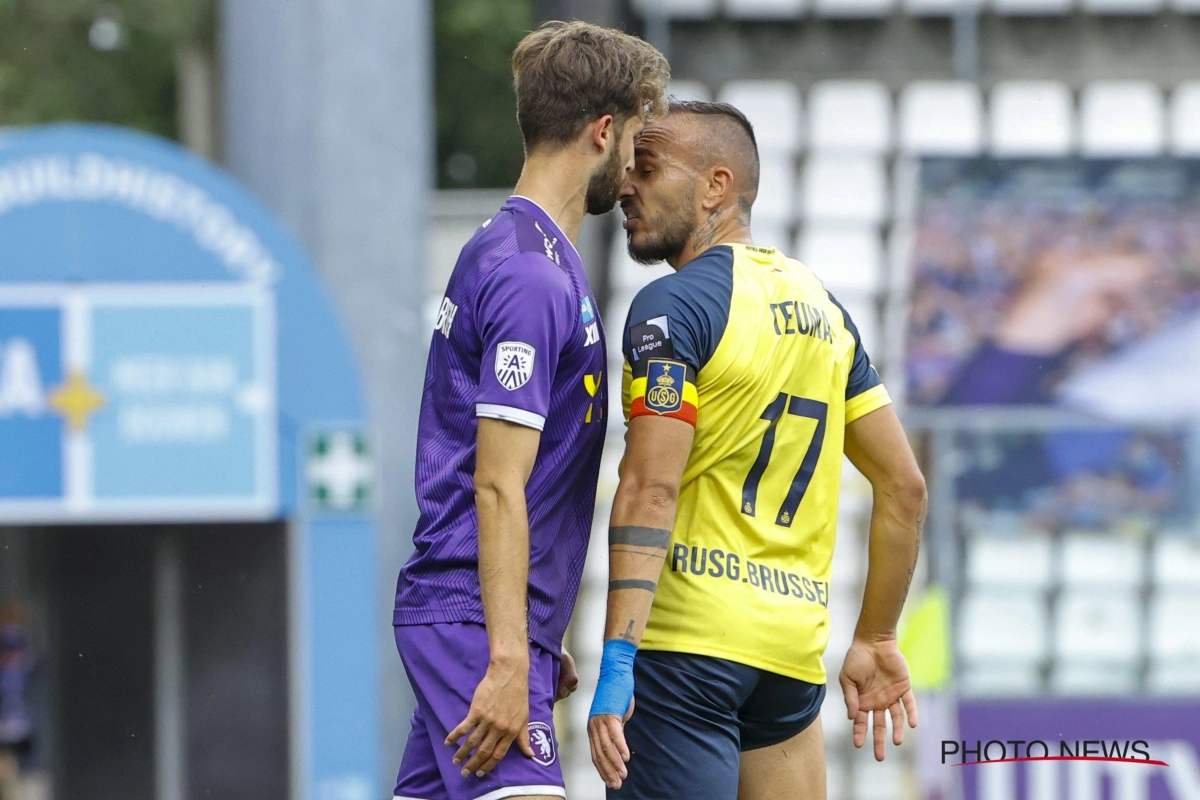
137	402
168	353
30	363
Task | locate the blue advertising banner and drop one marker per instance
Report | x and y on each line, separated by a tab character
136	402
167	353
1042	749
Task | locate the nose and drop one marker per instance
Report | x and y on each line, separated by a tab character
626	189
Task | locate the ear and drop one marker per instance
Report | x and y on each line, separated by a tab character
720	184
601	133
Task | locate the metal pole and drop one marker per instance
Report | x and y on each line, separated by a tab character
170	721
966	41
658	27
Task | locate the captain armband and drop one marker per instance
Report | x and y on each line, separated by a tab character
666	388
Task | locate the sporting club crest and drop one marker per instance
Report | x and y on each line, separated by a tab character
514	364
541	737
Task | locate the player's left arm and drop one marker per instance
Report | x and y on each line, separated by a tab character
874	675
656	452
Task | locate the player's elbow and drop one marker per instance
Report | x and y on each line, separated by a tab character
906	491
648	493
911	493
492	491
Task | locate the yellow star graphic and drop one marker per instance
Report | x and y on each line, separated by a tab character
76	400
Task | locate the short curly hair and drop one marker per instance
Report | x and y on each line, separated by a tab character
567	74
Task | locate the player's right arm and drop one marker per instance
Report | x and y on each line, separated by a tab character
524	315
668	338
875	675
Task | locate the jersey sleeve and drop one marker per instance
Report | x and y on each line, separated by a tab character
673	328
865	391
524	315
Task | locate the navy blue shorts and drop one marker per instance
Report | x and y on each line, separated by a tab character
694	715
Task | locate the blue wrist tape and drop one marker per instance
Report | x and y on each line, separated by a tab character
614	692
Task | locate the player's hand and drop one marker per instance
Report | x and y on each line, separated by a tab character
568	677
499	714
875	682
606	735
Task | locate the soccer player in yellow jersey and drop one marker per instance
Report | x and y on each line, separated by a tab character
745	382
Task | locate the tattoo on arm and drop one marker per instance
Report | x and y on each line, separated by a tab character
632	583
627	635
639	536
917	555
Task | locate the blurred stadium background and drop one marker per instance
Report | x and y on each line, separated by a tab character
1004	194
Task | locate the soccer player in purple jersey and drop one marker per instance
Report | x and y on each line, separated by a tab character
511	429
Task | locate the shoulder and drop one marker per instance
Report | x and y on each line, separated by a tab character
528	272
702	285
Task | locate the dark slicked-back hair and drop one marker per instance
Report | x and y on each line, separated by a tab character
567	74
737	132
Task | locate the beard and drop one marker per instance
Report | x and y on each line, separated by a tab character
605	184
666	235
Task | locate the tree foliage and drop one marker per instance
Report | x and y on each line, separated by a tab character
478	142
56	64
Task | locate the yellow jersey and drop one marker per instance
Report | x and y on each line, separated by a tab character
748	346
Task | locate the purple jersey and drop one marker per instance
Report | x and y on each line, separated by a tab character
518	339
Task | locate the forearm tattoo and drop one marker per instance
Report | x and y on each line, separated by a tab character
639	536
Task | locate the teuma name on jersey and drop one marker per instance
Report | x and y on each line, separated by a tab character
792	316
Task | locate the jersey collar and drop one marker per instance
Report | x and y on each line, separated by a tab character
546	214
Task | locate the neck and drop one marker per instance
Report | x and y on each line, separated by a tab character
727	225
558	183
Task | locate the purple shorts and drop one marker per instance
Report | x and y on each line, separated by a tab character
445	662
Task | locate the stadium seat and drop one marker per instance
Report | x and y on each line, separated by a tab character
776	188
845	257
1097	626
851	9
1176	561
995	561
1085	679
1175	625
1032	8
843	189
936	8
853	116
764	9
1121	118
1174	678
677	9
1098	560
688	90
1031	118
1123	7
941	118
1185	117
773	108
1002	627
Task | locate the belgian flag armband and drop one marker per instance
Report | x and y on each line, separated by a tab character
664	387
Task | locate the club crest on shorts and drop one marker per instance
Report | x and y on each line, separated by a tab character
514	364
541	737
